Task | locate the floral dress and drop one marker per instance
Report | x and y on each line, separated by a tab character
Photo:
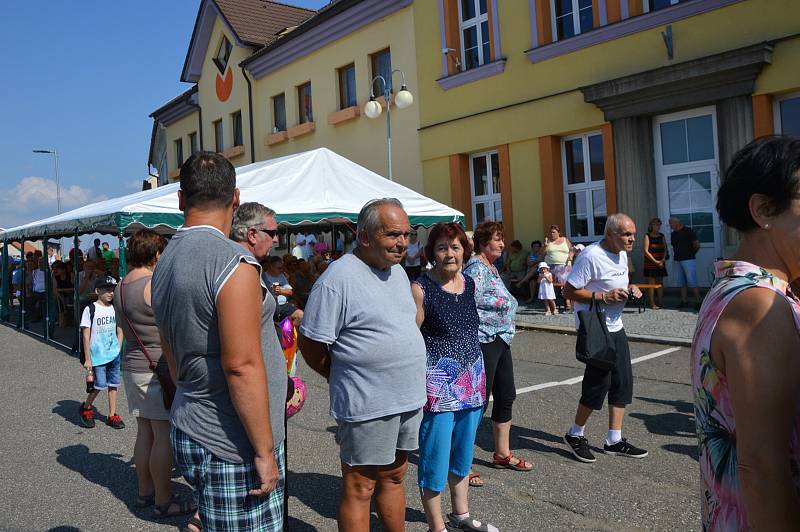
497	308
723	501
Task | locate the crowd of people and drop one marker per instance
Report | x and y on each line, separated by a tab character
206	378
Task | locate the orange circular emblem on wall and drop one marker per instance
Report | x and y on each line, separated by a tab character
225	85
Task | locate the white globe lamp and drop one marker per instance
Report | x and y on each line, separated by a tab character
373	109
404	98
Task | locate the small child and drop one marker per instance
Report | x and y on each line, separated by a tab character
102	339
546	291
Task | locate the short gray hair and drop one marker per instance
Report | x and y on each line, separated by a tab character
369	219
615	221
246	216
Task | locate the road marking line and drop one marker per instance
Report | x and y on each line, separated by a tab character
576	380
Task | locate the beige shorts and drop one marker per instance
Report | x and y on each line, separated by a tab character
144	395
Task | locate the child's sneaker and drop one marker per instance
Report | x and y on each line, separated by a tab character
87	416
115	422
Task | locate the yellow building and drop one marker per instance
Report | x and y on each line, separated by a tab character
545	112
272	79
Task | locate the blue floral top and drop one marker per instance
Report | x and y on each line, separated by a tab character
455	378
497	308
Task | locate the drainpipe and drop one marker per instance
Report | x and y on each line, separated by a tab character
250	114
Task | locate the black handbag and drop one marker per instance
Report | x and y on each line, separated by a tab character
594	346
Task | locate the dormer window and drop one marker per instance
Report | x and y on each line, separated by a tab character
223	54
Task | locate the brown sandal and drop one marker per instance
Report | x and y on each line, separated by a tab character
475	480
501	462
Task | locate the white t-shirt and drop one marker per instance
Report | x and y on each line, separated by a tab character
103	343
599	270
281	280
414	249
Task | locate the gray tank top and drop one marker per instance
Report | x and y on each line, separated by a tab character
190	274
143	321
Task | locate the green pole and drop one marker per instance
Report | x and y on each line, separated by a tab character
76	305
4	295
123	261
47	289
24	292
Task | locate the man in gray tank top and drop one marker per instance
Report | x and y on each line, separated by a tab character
359	330
227	425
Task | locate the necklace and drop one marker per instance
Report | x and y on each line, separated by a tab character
441	286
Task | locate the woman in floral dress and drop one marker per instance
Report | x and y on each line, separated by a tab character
746	349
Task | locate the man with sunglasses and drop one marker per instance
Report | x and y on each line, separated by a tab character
600	273
215	319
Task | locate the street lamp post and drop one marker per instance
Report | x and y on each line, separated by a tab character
373	109
54	153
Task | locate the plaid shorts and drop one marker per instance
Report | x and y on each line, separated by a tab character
222	488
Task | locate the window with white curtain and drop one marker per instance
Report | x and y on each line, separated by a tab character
473	20
484	170
584	186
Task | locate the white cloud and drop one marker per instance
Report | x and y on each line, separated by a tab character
135	184
34	198
41	191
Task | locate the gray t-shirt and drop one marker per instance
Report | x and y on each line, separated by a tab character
368	318
186	282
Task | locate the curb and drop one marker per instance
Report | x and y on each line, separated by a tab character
663	340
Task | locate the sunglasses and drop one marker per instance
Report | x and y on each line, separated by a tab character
270	232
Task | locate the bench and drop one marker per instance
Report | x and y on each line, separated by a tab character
641	303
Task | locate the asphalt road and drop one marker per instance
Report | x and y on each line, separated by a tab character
56	475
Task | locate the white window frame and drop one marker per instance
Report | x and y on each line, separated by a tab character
477	21
646	5
776	110
576	19
587	187
493	196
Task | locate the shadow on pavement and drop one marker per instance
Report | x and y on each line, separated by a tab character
68	409
689	450
64	528
680	423
520	438
115	474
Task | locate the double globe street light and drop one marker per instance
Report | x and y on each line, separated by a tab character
373	108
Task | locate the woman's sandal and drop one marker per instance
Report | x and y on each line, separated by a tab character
183	508
475	480
195	522
505	463
143	501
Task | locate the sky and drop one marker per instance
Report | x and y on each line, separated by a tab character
82	78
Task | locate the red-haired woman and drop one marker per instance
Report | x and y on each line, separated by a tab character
497	310
455	378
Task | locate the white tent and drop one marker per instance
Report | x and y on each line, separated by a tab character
317	186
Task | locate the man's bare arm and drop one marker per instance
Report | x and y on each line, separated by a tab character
316	355
239	309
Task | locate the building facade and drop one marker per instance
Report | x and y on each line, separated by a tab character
562	111
271	80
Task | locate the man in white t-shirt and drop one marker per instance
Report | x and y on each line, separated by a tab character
299	247
601	271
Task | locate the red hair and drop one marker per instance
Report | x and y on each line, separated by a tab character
450	231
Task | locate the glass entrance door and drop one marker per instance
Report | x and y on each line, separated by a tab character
687	173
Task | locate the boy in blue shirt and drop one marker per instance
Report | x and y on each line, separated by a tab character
102	339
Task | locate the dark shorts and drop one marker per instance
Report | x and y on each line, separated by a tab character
617	382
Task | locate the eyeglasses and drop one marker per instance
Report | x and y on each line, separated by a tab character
270	232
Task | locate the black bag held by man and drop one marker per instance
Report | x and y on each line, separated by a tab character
594	346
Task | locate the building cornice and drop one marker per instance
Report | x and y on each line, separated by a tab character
319	31
179	107
692	83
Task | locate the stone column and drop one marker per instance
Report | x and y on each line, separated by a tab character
636	179
734	130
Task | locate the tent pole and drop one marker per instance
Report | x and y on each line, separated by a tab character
24	291
4	295
123	261
47	289
76	299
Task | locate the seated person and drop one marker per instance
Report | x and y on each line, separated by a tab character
279	285
516	264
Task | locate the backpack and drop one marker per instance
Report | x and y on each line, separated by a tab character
81	353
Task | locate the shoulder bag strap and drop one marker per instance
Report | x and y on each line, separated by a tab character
130	326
